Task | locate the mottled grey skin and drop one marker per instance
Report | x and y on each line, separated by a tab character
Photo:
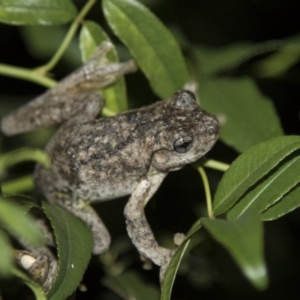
105	158
128	154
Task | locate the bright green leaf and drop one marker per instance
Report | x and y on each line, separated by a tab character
36	12
36	288
171	272
130	286
288	203
168	282
6	255
75	243
91	36
243	238
22	155
247	116
250	167
195	227
18	224
270	189
151	44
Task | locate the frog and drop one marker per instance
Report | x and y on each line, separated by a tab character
100	159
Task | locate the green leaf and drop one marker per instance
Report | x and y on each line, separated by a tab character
169	279
91	36
168	282
278	63
270	188
36	288
151	44
288	203
22	155
247	116
6	255
243	238
75	243
36	12
130	286
213	60
249	167
18	224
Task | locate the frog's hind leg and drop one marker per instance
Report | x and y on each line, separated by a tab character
66	99
39	262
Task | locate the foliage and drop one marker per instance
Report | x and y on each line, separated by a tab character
261	184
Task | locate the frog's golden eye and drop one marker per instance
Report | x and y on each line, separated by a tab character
183	144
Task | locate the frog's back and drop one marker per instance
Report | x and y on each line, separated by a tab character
98	160
105	158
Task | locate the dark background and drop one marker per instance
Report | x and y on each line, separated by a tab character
209	271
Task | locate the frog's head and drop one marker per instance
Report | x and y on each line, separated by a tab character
190	133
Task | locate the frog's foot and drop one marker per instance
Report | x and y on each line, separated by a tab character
178	240
41	266
98	72
147	263
160	256
168	254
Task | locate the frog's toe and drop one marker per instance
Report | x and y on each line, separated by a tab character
42	268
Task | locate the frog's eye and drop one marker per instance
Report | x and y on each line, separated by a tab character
183	144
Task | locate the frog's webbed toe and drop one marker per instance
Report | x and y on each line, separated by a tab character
40	264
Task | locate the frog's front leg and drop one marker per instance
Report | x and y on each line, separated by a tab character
86	213
138	227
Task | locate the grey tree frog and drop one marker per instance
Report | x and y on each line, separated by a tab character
100	159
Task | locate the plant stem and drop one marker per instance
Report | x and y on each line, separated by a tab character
24	154
207	192
216	165
39	74
26	74
68	38
19	185
107	112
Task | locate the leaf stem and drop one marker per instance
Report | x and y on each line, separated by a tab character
26	74
17	186
207	192
68	38
39	74
216	165
24	154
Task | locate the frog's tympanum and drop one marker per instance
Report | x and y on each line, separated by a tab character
100	159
